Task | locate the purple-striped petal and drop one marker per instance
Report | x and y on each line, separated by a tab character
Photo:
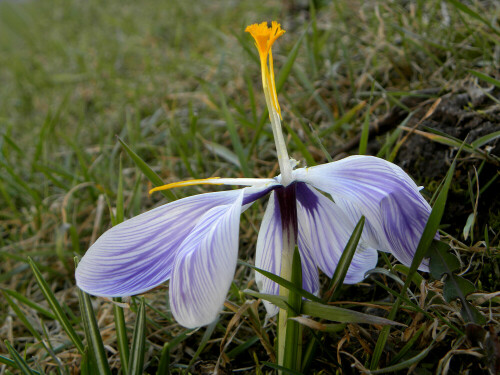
395	210
138	254
204	266
268	252
324	231
268	256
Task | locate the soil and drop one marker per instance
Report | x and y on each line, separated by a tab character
466	113
466	116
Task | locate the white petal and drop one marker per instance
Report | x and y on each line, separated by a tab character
204	266
324	231
269	252
395	210
138	254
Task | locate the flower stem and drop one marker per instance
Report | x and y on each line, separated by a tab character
274	117
289	333
292	356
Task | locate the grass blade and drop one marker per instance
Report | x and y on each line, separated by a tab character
148	172
408	345
282	282
345	261
223	152
346	118
21	183
281	369
95	344
13	364
22	317
204	341
465	9
121	335
136	364
119	197
7	361
322	311
279	301
485	77
287	66
235	139
233	353
405	364
384	151
56	307
485	139
29	303
164	364
314	137
94	340
339	314
365	130
21	364
85	364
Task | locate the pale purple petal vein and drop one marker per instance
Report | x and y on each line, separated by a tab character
204	266
324	231
138	254
395	210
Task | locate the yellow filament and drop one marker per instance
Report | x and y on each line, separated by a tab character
272	84
186	183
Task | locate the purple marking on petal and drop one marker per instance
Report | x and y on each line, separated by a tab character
138	254
288	207
256	193
395	211
269	252
324	231
204	266
306	197
404	219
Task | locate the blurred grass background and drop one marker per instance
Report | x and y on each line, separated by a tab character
179	82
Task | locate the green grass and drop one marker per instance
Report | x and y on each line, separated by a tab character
179	83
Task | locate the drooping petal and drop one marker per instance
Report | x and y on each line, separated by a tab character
324	231
204	266
138	254
268	256
268	252
370	236
395	210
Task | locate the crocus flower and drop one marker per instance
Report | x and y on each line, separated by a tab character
193	242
